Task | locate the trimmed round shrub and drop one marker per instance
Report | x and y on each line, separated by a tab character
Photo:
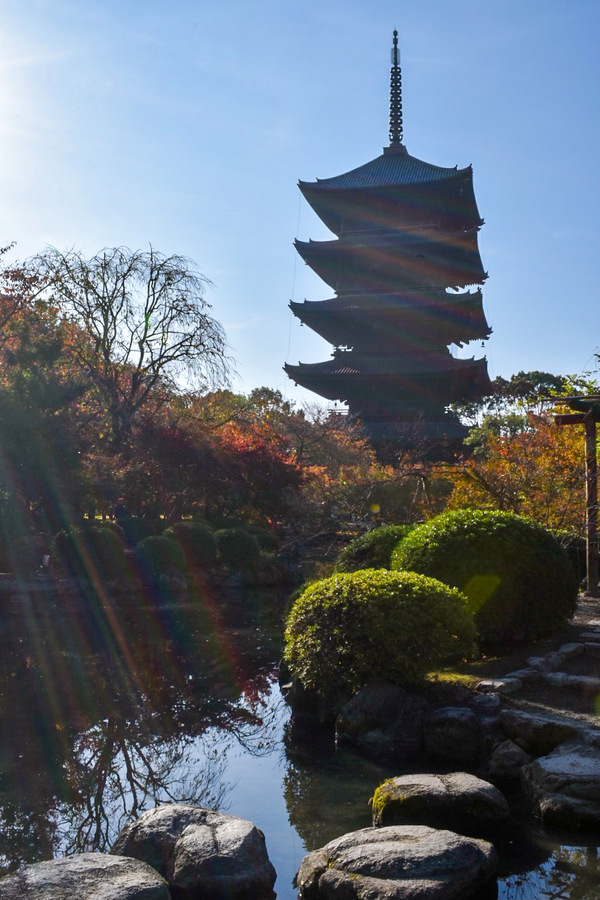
198	542
356	627
88	553
136	529
160	555
237	548
515	575
266	540
113	526
372	550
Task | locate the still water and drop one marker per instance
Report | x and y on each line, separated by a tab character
110	704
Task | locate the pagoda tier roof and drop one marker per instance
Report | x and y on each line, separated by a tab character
448	203
412	319
386	381
394	167
415	430
392	260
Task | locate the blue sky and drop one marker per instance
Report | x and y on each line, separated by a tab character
187	124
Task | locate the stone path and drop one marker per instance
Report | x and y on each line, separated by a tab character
548	669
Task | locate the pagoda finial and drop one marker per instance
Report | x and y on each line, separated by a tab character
395	95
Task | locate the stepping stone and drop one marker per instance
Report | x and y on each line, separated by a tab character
588	636
87	876
536	662
458	801
571	650
554	661
499	685
565	786
401	862
524	675
587	683
201	852
537	734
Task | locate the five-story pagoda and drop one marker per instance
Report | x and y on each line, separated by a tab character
402	266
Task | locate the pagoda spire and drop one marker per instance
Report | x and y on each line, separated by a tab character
395	95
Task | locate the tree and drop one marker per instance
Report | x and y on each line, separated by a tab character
145	323
538	472
16	287
45	421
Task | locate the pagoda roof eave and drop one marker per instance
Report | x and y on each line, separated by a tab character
391	300
368	364
396	321
405	262
387	170
347	375
356	208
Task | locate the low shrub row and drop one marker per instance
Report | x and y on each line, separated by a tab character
110	550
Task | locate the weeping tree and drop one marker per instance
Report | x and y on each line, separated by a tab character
144	325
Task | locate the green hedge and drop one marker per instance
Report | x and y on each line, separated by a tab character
136	529
238	549
372	550
517	578
352	628
160	555
198	542
88	552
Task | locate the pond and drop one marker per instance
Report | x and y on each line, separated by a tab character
112	703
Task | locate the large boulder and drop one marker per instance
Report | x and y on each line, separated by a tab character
201	852
537	733
458	801
402	862
89	876
384	721
454	734
565	785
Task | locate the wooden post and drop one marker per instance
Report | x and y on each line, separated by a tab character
588	420
591	503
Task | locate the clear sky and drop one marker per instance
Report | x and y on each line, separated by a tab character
187	124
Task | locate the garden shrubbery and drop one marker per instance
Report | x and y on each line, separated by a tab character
238	549
198	542
372	550
160	555
515	575
89	552
352	628
136	529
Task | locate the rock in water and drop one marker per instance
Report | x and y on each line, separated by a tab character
88	876
384	721
201	853
455	734
538	734
458	801
402	862
565	785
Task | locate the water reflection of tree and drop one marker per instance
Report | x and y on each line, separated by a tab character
327	791
571	873
107	708
117	777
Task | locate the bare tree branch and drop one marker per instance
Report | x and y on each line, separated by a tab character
145	324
